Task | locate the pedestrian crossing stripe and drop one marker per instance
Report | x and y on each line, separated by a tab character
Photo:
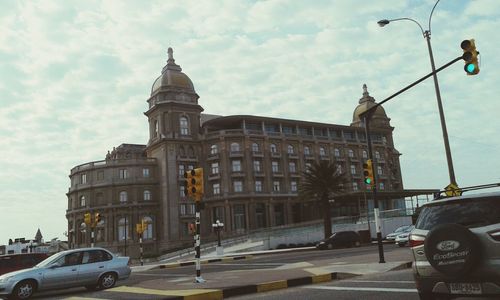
193	294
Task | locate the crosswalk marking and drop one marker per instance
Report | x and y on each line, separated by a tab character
364	289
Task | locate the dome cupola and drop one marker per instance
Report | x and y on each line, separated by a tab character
379	118
172	78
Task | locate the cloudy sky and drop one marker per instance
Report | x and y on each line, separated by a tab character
75	76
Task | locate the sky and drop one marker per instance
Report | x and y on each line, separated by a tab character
75	77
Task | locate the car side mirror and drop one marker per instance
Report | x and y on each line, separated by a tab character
55	265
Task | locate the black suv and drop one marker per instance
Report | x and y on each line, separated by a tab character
340	239
456	247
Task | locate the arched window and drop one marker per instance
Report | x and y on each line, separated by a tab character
290	149
235	147
123	197
148	233
157	128
214	149
191	151
182	152
365	154
336	152
322	151
274	149
82	201
123	229
255	147
147	195
350	153
377	155
184	125
307	150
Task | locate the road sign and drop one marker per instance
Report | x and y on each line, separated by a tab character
452	190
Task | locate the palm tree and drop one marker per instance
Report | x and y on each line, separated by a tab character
320	181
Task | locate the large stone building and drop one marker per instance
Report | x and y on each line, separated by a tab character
252	166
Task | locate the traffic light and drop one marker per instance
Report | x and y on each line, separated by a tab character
97	218
368	172
138	228
470	56
194	183
144	225
87	218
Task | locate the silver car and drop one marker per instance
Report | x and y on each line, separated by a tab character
93	268
456	247
392	236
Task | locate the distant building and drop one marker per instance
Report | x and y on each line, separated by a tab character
252	167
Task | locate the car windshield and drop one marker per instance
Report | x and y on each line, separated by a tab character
401	229
475	212
48	261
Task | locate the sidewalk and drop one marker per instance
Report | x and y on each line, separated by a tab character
238	282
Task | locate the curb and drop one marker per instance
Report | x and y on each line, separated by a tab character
403	266
193	262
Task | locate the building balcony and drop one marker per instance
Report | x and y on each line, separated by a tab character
257	154
275	154
258	174
238	174
277	174
293	156
324	157
236	154
309	157
214	176
212	157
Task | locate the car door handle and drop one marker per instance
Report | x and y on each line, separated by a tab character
73	269
101	267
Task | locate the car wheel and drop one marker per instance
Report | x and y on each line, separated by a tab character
24	290
107	280
452	249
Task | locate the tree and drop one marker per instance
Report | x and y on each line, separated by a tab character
321	181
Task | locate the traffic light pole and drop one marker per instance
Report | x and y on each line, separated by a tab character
141	250
198	278
367	118
92	237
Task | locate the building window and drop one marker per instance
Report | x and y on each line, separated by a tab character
274	149
216	188
255	147
260	215
82	201
123	197
353	169
365	154
182	189
275	167
148	233
183	209
339	169
157	129
322	151
291	167
239	217
236	165
382	186
147	195
308	167
235	147
123	229
214	149
184	125
258	186
293	186
218	214
181	170
256	165
354	186
307	150
191	210
290	149
379	170
100	175
238	186
377	155
123	173
350	153
336	152
215	168
83	178
276	186
145	173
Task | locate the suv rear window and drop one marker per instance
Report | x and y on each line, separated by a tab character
474	212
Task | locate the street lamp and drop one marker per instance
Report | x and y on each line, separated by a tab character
427	36
217	226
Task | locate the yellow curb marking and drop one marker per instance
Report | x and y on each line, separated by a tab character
322	278
82	298
273	285
194	294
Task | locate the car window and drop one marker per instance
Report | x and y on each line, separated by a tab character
471	213
70	259
106	255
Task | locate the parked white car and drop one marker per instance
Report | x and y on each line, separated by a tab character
93	268
402	238
392	236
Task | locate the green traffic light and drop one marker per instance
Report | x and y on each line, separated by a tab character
469	68
368	180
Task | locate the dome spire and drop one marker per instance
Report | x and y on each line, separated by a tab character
171	65
366	96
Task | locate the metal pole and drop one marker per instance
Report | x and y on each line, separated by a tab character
218	236
92	237
427	35
126	235
198	278
374	189
140	247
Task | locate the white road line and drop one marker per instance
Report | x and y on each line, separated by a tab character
345	288
379	281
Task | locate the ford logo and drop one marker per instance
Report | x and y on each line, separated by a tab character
448	245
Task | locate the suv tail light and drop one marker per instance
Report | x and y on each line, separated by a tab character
416	240
495	235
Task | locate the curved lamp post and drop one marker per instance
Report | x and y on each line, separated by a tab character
427	36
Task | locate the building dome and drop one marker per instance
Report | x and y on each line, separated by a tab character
172	78
366	102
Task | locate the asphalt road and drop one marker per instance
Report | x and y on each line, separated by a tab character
394	285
